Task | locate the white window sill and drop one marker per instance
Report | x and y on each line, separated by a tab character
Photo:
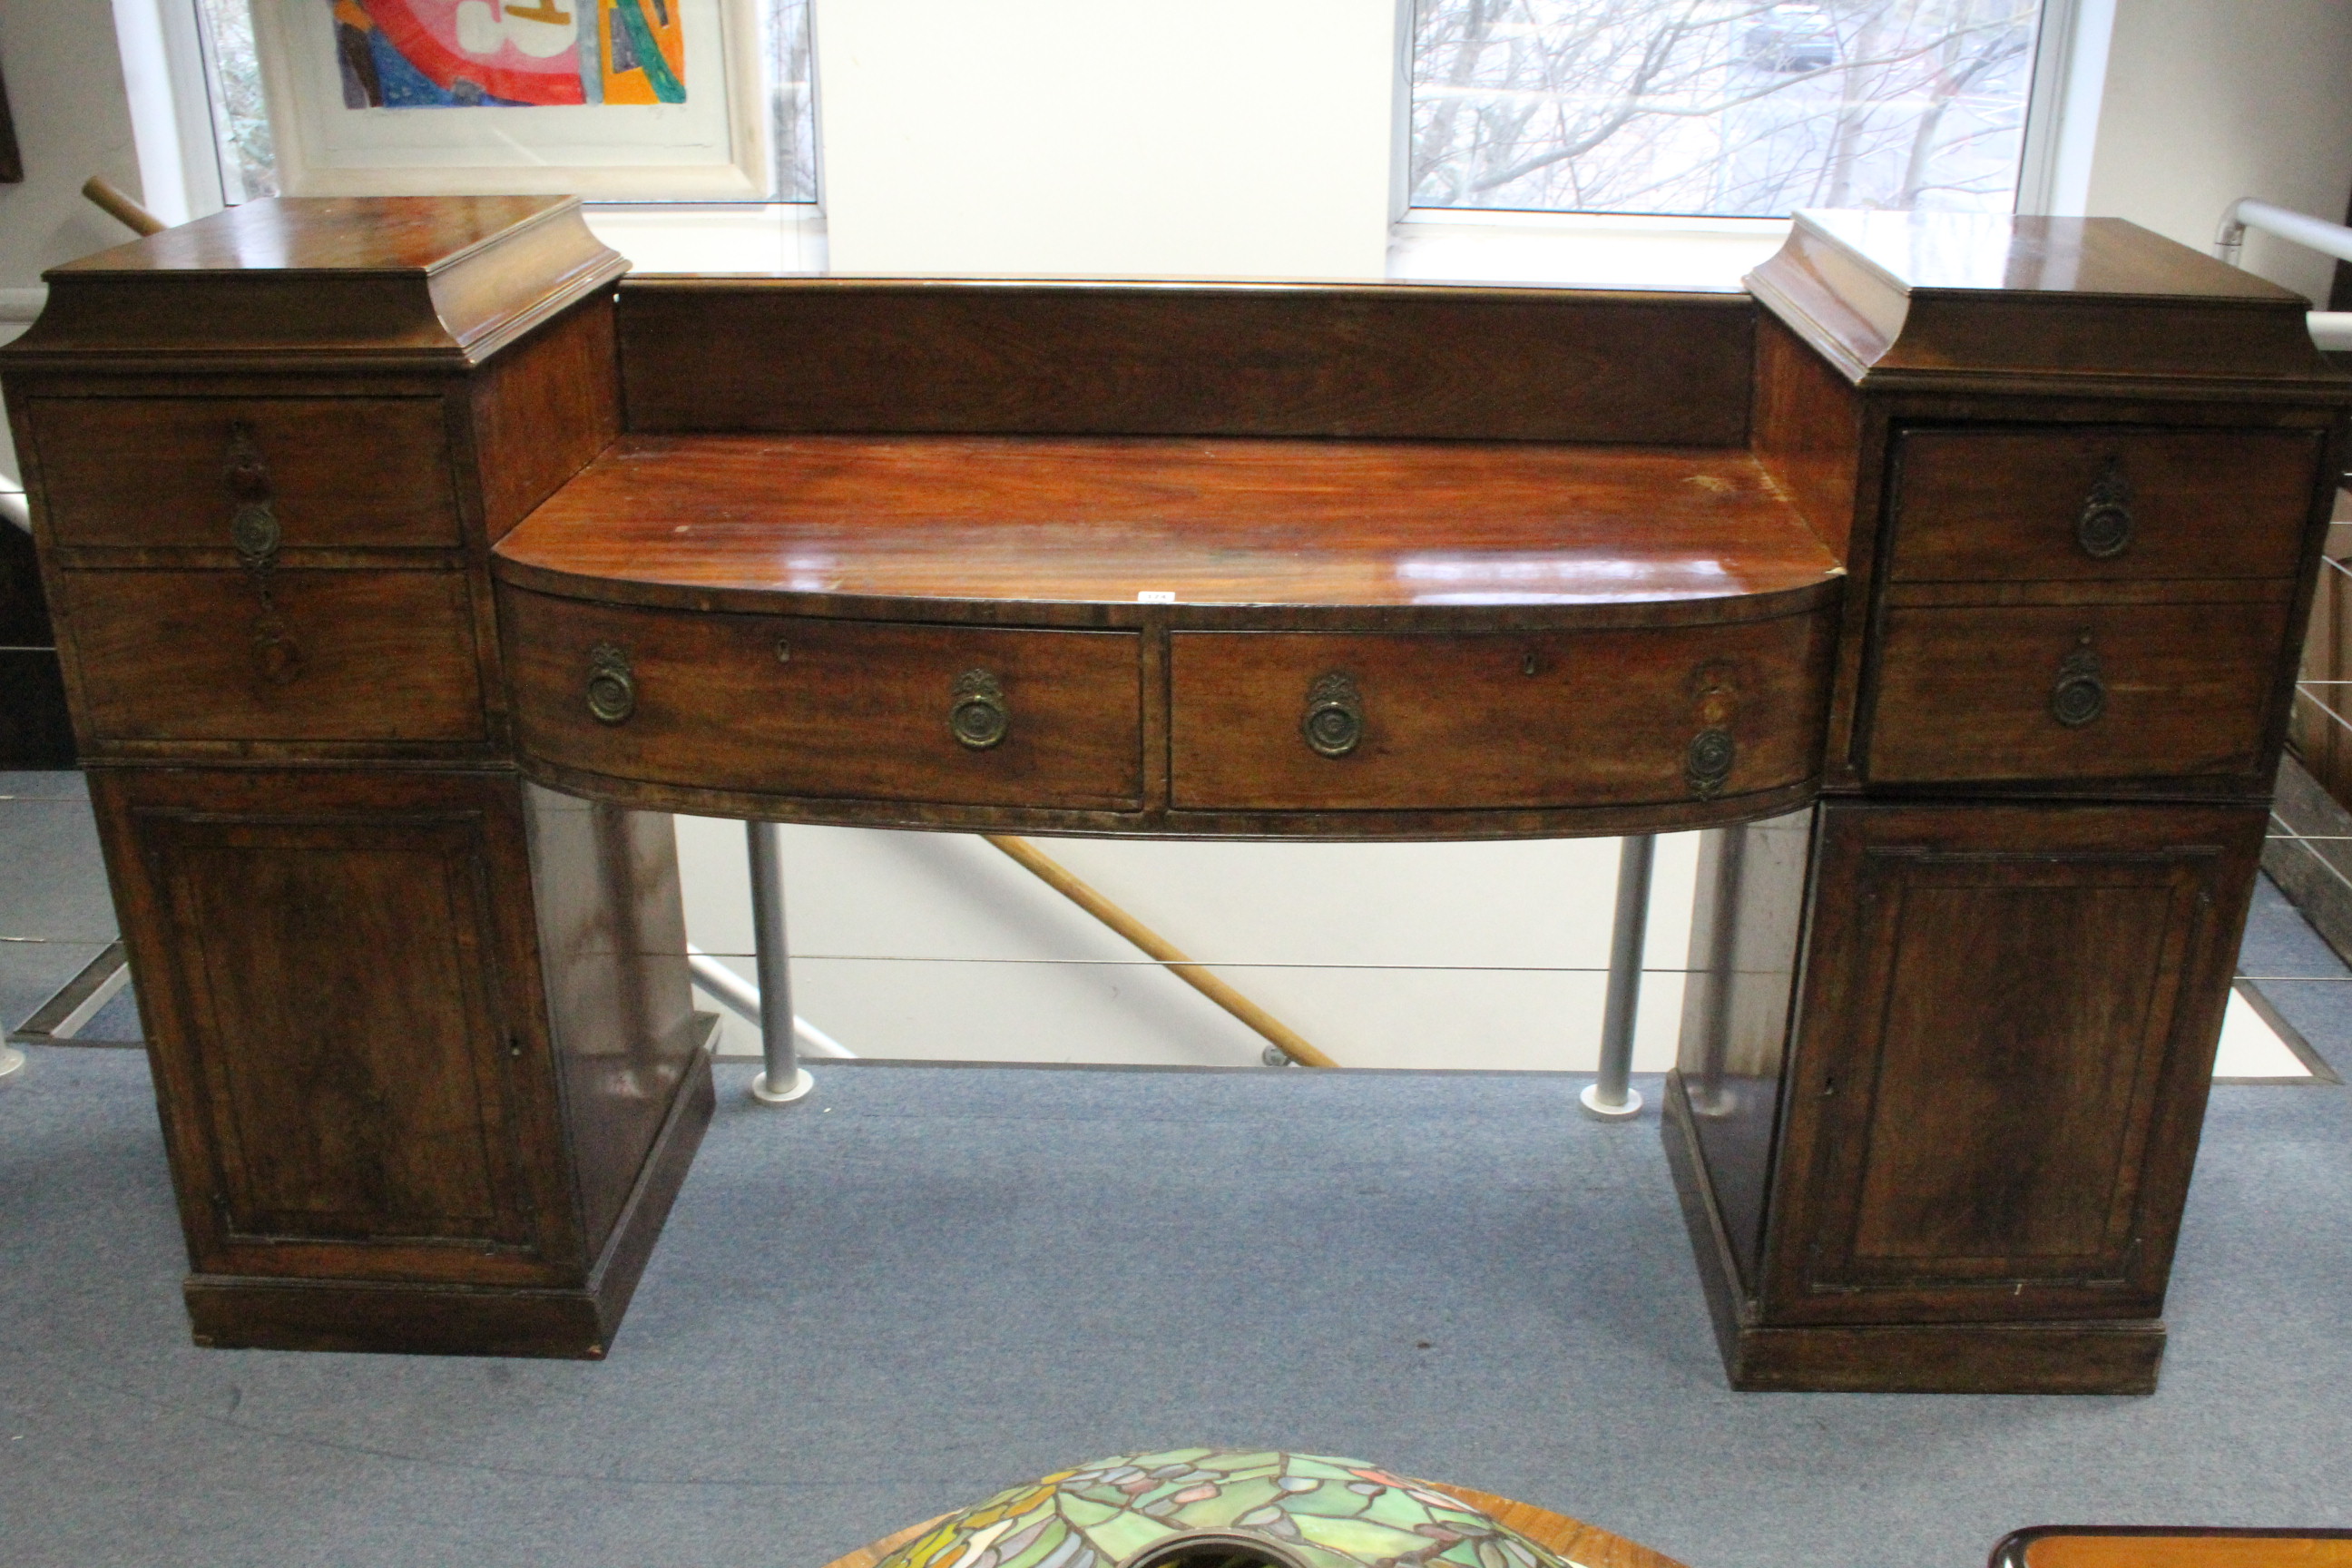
1580	250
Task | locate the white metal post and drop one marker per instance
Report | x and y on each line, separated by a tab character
784	1079
1610	1095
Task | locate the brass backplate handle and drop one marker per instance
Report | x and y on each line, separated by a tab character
612	687
978	716
2105	529
2080	696
1709	760
253	528
254	532
1333	723
1707	764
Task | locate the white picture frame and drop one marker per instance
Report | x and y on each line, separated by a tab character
713	147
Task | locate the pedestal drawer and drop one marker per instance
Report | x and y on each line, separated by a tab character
1984	693
332	471
2101	504
1316	720
333	655
828	709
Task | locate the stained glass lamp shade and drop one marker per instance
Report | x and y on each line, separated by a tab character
1214	1507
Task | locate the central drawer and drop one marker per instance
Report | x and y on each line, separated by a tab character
826	708
1337	721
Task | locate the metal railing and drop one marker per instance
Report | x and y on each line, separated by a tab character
1610	1097
2330	330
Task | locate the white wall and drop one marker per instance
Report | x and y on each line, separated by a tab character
2207	102
1170	138
73	120
1401	956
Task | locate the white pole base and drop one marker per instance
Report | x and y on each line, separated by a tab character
1601	1111
11	1062
801	1083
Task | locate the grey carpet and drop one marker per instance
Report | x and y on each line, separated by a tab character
928	1283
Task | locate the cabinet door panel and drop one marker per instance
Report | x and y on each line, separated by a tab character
345	1031
345	1109
2007	1020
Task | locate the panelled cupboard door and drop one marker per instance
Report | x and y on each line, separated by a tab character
2007	1028
346	1063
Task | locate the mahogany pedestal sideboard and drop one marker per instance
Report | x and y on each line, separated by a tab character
408	566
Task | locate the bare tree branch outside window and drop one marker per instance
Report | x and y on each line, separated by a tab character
1729	107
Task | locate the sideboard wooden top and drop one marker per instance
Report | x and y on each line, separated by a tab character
1028	523
326	234
409	280
1912	252
1990	303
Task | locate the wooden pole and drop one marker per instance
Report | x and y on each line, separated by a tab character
1057	877
106	194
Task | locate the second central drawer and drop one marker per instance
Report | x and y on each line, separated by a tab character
1337	721
828	709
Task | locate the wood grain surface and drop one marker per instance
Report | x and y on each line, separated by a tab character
282	282
1495	719
1976	504
2003	1038
337	471
1425	526
180	656
2178	1546
1159	358
1964	694
853	710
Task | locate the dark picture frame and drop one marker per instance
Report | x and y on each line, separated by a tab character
12	162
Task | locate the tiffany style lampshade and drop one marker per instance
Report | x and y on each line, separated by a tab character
1212	1508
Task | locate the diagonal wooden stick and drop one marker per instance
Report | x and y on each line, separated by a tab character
1058	876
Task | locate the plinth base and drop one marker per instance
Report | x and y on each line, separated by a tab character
239	1312
2119	1356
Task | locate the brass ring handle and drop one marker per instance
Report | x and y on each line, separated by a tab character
2105	529
253	528
612	688
1707	765
2080	696
1334	720
979	717
254	532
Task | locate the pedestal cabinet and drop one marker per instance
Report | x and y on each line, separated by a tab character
1946	1043
421	1031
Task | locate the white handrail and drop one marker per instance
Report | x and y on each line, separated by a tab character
743	997
2315	233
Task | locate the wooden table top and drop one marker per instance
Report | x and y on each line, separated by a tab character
2092	1546
1702	534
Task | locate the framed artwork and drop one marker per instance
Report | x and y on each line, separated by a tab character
613	99
12	162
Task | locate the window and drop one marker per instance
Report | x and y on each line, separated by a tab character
241	122
1722	108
